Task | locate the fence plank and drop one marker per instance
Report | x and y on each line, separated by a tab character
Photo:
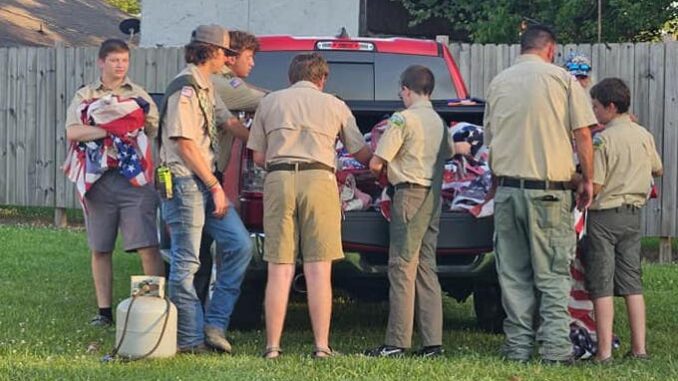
4	115
670	151
45	166
464	64
65	73
29	126
655	123
640	102
489	65
11	125
476	87
627	65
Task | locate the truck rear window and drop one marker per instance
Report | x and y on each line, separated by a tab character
358	76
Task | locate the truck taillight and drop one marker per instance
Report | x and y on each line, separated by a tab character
252	176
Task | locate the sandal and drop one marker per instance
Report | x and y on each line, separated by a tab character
321	353
271	350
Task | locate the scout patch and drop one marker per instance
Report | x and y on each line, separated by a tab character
397	120
235	82
187	91
598	142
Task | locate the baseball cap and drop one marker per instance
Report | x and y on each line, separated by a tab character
215	35
578	64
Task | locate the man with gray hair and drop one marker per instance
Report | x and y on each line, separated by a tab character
533	108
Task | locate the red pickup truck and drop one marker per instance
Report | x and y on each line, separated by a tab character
365	72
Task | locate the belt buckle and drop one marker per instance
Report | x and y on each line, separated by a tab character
296	166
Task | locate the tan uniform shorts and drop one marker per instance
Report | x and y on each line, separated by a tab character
302	212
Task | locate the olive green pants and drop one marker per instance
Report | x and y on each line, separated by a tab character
534	245
414	291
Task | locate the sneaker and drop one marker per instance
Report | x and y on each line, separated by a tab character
385	351
215	338
430	351
101	321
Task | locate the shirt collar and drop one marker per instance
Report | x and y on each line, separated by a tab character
203	83
305	84
422	103
227	72
624	118
529	57
98	85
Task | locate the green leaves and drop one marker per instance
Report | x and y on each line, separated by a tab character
575	21
133	7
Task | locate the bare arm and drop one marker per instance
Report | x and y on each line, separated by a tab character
585	154
82	133
237	129
377	165
364	155
259	158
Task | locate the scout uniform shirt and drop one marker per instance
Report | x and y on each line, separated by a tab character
235	93
531	110
624	159
237	96
301	123
410	144
127	89
184	118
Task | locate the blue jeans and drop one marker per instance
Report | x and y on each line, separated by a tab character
186	214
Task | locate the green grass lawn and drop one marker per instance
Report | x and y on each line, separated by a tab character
47	299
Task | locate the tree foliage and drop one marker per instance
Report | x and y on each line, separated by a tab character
499	21
133	7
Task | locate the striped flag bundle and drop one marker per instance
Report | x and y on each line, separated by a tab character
126	147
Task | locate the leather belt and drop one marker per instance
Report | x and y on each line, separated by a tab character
298	166
410	186
514	182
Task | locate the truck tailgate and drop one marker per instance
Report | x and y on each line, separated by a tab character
459	232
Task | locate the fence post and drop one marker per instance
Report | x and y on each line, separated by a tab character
665	253
60	218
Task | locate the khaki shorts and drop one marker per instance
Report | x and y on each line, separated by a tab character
612	258
302	212
114	203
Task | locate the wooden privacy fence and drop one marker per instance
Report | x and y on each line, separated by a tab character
37	84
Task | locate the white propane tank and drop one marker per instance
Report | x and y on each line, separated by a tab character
142	322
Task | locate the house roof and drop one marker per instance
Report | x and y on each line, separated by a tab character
46	22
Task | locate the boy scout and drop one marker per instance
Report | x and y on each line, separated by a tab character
293	137
189	119
113	203
237	96
533	108
416	172
625	159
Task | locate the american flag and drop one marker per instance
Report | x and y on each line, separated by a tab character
126	147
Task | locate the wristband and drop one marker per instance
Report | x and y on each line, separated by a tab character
212	183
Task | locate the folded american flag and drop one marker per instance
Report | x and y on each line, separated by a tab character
126	147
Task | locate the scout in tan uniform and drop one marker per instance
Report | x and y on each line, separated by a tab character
190	119
533	108
293	137
236	96
415	170
113	203
625	159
